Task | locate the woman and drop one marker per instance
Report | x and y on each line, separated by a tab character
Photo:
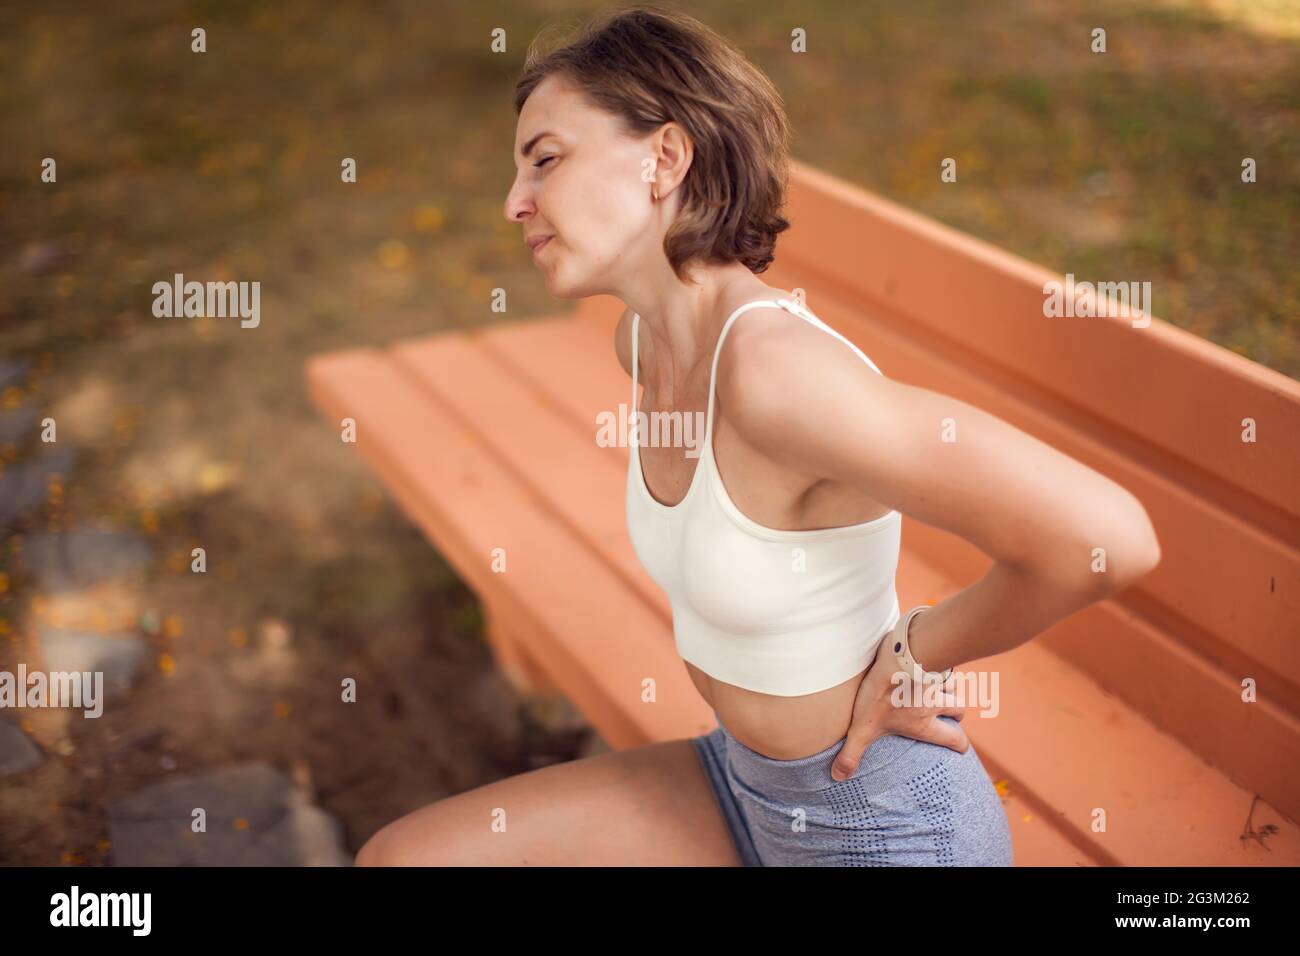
651	165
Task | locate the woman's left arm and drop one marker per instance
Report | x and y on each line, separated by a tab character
1061	535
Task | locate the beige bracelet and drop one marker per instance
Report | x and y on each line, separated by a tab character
903	652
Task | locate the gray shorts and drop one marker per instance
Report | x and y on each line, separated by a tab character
910	803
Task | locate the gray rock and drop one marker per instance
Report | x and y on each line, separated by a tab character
24	485
84	557
119	655
17	751
152	826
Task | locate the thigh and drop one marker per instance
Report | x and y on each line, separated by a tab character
646	806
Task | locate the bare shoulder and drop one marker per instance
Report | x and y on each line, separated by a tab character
772	361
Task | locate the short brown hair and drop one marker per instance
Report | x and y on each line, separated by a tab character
651	66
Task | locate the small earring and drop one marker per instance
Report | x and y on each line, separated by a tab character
655	193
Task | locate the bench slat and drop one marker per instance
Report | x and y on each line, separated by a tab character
554	455
586	624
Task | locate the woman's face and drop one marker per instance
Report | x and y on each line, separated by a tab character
581	184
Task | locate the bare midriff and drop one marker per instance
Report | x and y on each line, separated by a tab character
783	728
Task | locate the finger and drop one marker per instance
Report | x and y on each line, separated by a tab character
945	734
850	755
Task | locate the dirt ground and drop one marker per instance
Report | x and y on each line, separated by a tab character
225	166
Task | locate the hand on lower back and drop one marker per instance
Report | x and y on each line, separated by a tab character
889	704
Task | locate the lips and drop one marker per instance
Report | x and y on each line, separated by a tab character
538	246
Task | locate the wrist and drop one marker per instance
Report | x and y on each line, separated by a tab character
910	654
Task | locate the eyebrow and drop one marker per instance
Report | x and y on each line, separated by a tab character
528	146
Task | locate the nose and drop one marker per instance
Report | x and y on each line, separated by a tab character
519	202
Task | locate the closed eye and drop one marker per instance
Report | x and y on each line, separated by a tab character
538	165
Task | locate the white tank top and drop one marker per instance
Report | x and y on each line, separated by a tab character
778	612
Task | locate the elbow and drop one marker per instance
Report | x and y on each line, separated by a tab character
1110	570
1135	550
1133	563
1150	556
1143	553
1099	563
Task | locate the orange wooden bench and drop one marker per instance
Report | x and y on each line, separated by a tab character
1135	707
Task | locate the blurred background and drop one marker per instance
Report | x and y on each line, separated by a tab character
225	165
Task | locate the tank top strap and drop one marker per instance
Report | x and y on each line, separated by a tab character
803	313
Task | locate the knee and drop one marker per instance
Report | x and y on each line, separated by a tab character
378	850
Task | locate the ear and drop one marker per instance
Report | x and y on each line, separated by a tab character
674	154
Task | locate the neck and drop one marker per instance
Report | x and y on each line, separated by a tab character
683	321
